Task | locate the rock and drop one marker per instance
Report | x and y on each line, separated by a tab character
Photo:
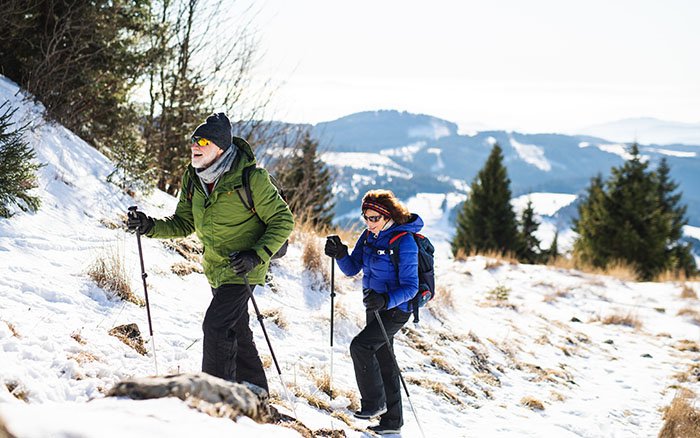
211	395
574	319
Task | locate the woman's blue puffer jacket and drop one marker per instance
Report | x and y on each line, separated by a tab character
372	256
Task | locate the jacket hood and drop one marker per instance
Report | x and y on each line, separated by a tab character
414	225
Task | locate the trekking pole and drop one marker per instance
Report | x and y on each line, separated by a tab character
396	364
132	212
330	383
269	344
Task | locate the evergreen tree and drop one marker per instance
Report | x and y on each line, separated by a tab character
634	219
553	252
680	257
487	221
307	182
530	251
17	167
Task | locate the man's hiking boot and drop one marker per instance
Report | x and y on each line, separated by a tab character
384	430
366	414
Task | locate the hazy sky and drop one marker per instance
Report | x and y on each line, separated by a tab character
530	65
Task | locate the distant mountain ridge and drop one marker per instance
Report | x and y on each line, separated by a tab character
647	130
435	158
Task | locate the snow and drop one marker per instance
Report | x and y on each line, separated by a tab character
406	153
691	231
593	379
434	131
544	204
381	164
674	153
531	154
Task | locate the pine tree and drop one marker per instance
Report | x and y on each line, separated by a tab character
307	182
680	257
487	221
634	219
17	167
530	251
553	252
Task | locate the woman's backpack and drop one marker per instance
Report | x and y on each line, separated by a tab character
426	269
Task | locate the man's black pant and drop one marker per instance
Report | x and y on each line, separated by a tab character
377	376
229	349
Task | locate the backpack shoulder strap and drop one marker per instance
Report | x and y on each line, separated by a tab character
247	200
394	249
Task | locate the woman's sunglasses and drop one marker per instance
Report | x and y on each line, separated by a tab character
372	218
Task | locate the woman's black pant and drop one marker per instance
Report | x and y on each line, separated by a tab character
229	349
377	376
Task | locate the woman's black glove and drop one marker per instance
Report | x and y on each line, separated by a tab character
138	221
374	301
242	262
335	248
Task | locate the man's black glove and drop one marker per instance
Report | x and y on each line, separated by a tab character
335	248
374	301
138	221
242	262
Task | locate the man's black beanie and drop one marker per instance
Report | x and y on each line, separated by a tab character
216	128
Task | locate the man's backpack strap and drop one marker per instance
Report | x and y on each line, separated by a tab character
247	200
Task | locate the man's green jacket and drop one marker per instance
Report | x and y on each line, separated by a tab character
223	224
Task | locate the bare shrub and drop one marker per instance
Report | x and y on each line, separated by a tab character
681	418
131	336
109	273
627	319
532	403
688	292
312	258
276	316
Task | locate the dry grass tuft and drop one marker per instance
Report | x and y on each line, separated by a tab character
313	258
693	314
188	247
345	418
330	433
532	403
549	298
617	270
688	292
692	374
109	273
78	337
681	418
276	316
17	390
438	388
313	400
441	364
499	293
488	378
443	304
111	224
13	329
627	319
556	396
416	341
266	360
687	345
462	385
131	336
83	357
186	267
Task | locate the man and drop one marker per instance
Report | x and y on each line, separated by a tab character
237	241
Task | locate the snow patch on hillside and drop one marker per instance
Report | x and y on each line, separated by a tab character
544	204
531	154
381	164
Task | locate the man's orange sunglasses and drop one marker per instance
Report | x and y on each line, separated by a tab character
200	141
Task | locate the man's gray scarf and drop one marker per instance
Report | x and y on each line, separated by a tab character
222	164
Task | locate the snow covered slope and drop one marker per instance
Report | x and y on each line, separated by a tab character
504	350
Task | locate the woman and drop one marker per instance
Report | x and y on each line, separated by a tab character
386	293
